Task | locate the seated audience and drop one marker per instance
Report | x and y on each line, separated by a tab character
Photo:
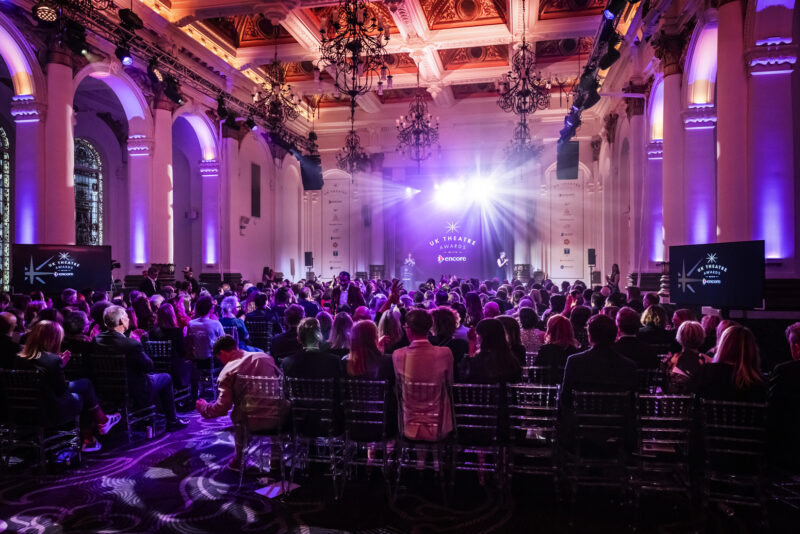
8	347
559	343
204	330
784	404
532	338
286	344
600	368
391	334
309	306
75	340
735	373
340	334
366	359
654	330
262	312
686	364
145	386
579	317
310	361
630	346
229	308
445	321
260	415
709	323
64	399
325	325
491	360
167	329
422	362
514	337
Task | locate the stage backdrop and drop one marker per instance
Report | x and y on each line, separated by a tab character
461	239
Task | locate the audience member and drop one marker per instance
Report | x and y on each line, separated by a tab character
513	337
784	402
286	344
204	330
686	364
559	343
310	361
340	334
491	360
735	373
654	332
8	347
365	359
630	346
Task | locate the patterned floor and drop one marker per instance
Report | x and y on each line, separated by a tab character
177	483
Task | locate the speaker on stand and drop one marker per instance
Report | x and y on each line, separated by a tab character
592	261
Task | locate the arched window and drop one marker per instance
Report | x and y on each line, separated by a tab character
5	208
88	194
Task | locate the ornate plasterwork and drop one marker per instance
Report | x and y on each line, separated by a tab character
697	117
655	149
463	13
476	56
771	57
554	9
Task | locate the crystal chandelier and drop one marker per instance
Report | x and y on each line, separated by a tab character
417	135
522	90
354	46
279	103
351	157
521	148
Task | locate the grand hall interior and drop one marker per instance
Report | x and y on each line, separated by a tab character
399	266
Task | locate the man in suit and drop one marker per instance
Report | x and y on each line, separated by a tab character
310	361
144	384
309	306
150	285
628	345
339	293
784	404
286	344
600	368
194	286
8	347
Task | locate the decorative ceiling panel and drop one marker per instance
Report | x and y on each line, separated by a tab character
248	30
474	57
557	9
403	95
376	10
468	90
561	49
443	14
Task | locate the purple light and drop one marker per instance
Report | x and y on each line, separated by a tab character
139	240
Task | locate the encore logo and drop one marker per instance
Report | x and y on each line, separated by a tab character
450	259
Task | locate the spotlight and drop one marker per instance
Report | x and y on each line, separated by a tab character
592	98
45	11
614	8
172	90
130	20
155	74
605	33
587	80
123	53
479	190
74	37
251	124
612	54
231	123
222	111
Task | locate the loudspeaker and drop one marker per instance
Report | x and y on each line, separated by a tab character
309	260
592	257
311	172
567	161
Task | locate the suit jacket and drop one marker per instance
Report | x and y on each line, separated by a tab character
265	314
285	344
309	306
714	381
784	412
150	287
597	369
639	352
8	352
551	355
311	364
138	363
660	339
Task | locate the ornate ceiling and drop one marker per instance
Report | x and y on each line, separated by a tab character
459	46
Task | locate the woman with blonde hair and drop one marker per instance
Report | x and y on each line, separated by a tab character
685	364
340	334
559	343
66	399
735	373
390	333
365	359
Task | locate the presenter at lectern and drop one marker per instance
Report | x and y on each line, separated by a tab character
502	261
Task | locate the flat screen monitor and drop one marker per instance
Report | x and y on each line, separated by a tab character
722	275
53	268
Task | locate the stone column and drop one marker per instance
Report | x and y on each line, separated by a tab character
29	170
772	151
228	226
653	229
58	216
669	49
209	174
733	220
700	168
375	206
140	186
634	109
161	212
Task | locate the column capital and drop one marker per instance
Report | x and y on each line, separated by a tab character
209	168
635	105
59	56
597	143
700	117
25	108
655	149
669	48
771	56
610	122
139	145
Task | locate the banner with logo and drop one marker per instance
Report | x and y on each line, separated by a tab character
335	227
567	254
53	268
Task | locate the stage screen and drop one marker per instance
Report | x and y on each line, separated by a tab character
722	275
450	230
53	268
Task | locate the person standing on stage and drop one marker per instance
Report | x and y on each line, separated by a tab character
502	261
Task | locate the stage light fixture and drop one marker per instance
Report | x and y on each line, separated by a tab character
222	111
130	20
45	11
172	90
587	80
231	123
155	74
251	124
123	53
612	54
614	8
592	98
74	37
479	190
605	33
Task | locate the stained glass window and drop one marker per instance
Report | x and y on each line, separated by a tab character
88	194
5	209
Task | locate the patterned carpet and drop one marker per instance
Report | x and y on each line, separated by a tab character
178	483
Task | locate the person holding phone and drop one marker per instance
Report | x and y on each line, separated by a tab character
502	261
66	399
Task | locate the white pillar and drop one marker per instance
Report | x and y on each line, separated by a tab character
58	215
376	206
636	253
161	206
652	234
29	170
700	191
140	186
229	220
209	174
732	176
